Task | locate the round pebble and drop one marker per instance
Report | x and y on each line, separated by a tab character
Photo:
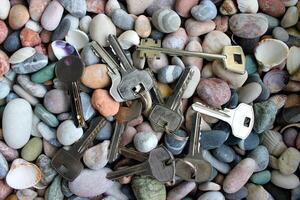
166	20
215	41
122	19
277	9
32	149
12	42
284	181
288	161
18	16
104	103
261	178
52	16
169	73
68	133
4	31
96	157
57	101
96	76
280	34
206	10
142	26
261	157
145	141
224	153
4	10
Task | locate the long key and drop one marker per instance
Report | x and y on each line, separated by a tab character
69	70
232	56
168	117
193	167
68	162
160	165
133	81
113	72
241	119
115	141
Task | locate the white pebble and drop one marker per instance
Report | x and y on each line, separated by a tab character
145	141
68	133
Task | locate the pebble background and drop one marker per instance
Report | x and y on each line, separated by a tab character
34	107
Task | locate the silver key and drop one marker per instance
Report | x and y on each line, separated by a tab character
113	72
115	141
241	119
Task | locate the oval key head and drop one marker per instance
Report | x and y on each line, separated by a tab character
69	69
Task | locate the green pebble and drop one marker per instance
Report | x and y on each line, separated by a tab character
251	65
261	178
147	188
54	191
32	149
45	115
44	74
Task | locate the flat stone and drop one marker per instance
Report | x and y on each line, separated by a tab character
31	64
76	8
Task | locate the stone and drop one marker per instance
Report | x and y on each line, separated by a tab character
84	23
95	6
249	92
52	16
12	42
155	64
111	5
43	75
18	16
87	108
36	8
221	23
100	27
248	25
142	26
175	40
47	117
104	103
128	135
25	95
280	34
73	20
192	86
4	10
129	39
209	186
5	190
289	137
68	133
211	139
88	57
116	192
106	132
243	170
206	10
240	194
224	153
196	28
288	161
217	165
257	192
62	30
290	17
250	143
96	76
248	6
16	133
122	19
48	173
215	41
96	157
31	64
261	178
145	141
54	190
176	142
85	185
32	149
9	153
34	89
213	91
264	115
29	38
77	38
184	7
3	166
261	157
26	194
137	7
57	101
276	10
4	63
284	181
169	74
4	31
4	89
166	20
212	195
76	8
145	188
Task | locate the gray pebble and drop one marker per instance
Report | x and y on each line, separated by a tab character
34	89
25	95
280	34
11	75
3	166
224	153
88	57
31	64
62	30
26	194
44	163
106	132
57	101
46	132
261	157
4	89
272	21
213	139
88	110
64	116
222	167
250	143
169	73
205	11
65	188
76	8
11	96
74	21
12	42
166	20
122	19
241	194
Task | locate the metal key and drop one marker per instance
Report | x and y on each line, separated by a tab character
241	119
115	141
133	81
232	56
193	167
69	70
160	165
112	67
168	117
68	162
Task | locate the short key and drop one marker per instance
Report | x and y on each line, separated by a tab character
241	119
160	165
112	67
69	70
133	81
193	167
68	162
168	117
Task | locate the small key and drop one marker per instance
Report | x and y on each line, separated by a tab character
160	165
168	117
115	141
133	81
193	167
112	67
68	162
232	56
69	70
133	154
241	119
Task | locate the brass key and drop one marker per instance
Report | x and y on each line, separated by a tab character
232	56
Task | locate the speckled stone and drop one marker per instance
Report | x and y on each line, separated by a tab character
45	116
264	115
261	178
288	161
122	19
206	10
48	173
224	153
261	157
18	16
146	188
31	64
54	190
57	101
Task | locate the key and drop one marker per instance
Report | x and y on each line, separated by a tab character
133	81
241	119
115	141
168	117
232	56
160	165
68	162
69	70
193	167
113	72
133	154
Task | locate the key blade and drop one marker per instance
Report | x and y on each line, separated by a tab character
146	52
219	114
128	171
115	141
235	59
194	147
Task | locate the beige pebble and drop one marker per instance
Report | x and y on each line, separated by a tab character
257	192
18	16
284	181
193	45
128	39
248	93
209	186
289	161
142	26
215	41
196	28
95	76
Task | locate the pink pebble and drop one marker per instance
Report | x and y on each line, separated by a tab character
180	191
176	40
52	15
37	7
3	31
96	6
29	38
136	121
183	7
9	154
196	28
45	36
128	135
4	63
5	190
193	45
221	23
104	103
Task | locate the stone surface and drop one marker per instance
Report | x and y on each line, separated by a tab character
195	28
145	141
276	10
212	195
265	113
142	26
284	181
68	133
169	74
104	103
31	64
95	6
4	10
76	8
96	157
18	16
52	15
122	19
166	20
206	10
261	157
183	7
137	7
57	101
288	161
96	76
32	149
215	41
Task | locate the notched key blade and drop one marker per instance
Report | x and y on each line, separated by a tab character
149	42
235	59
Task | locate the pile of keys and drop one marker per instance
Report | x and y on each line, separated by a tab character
137	89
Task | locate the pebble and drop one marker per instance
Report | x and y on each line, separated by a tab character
257	192
276	10
248	6
209	186
181	191
122	19
18	16
95	6
169	73
142	26
43	75
54	190
166	20
84	185
36	8
26	194
249	92
288	161
183	7
261	178
196	28
243	170
87	108
145	141
193	45
57	101
4	31
25	95
41	112
212	195
106	132
264	113
96	76
240	194
280	34
48	173
76	8
104	103
3	166
290	17
261	157
12	42
9	153
29	38
284	181
53	11
88	57
289	136
129	39
33	89
74	21
96	157
215	41
213	91
5	190
250	143
224	153
206	10
16	133
32	149
4	10
5	89
31	64
176	142
68	133
84	23
156	64
175	40
4	63
211	139
228	7
46	132
77	38
62	30
148	188
192	86
222	167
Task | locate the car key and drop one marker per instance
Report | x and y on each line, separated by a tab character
193	167
160	165
68	162
168	117
232	56
241	119
133	81
69	70
112	67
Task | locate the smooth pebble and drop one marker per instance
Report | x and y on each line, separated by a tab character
68	133
145	141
